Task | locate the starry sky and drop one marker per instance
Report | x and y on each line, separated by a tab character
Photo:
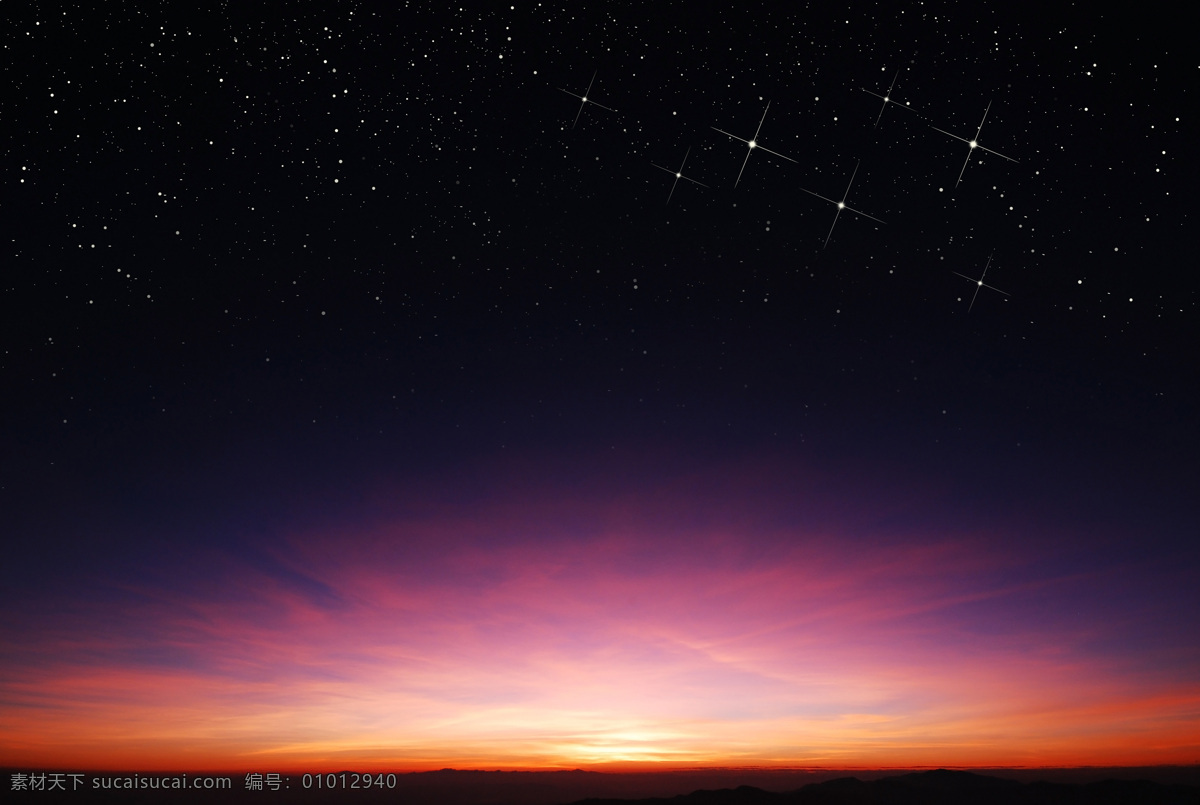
371	399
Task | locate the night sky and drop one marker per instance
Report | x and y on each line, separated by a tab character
372	400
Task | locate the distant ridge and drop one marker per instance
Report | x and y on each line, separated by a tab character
1173	786
938	787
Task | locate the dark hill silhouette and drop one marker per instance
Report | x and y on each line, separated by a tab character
940	787
1172	786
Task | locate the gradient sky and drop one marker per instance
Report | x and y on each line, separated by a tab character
362	408
731	615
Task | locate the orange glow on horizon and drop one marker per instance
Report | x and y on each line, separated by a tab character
606	652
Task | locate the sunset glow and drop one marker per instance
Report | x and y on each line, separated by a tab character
560	629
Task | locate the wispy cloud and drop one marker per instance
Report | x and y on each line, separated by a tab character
508	635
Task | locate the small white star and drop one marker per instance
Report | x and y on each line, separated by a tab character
979	283
888	99
841	205
973	143
752	143
583	99
679	175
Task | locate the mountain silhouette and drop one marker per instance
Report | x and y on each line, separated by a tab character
939	787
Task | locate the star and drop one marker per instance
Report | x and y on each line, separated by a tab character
752	143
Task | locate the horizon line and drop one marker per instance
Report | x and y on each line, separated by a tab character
642	767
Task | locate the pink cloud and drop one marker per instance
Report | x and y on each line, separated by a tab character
505	633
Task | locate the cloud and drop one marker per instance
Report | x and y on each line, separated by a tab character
572	629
